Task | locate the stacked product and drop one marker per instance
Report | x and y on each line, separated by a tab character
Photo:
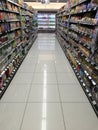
79	31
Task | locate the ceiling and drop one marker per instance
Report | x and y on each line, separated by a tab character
57	1
40	6
53	5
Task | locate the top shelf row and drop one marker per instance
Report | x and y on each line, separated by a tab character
78	5
10	6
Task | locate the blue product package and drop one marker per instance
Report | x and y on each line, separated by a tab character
90	5
7	27
0	5
82	72
85	6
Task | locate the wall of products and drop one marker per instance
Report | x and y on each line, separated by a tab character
46	21
77	32
17	33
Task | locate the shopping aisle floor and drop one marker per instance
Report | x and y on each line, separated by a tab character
45	94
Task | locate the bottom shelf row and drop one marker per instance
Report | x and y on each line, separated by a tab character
8	74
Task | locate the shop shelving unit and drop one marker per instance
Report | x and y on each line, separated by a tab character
16	37
77	32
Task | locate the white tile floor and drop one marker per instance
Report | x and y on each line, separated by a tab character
45	94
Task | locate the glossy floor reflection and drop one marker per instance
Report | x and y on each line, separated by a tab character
45	94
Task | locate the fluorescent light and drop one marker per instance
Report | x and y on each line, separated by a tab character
45	1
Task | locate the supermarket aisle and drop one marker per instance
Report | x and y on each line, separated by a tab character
45	94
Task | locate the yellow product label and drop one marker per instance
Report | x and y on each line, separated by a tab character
64	18
72	58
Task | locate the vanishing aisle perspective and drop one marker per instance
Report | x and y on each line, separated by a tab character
45	93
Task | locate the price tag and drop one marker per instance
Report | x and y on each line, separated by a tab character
82	54
95	8
79	76
93	82
87	90
96	67
91	24
2	88
9	78
89	95
84	10
83	84
89	10
4	84
90	36
12	72
90	77
87	74
76	71
81	80
92	63
94	102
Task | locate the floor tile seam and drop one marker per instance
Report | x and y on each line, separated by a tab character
43	71
57	102
50	72
69	86
28	64
13	102
63	72
31	82
25	108
22	85
27	100
24	72
45	87
43	83
60	101
48	87
19	84
43	102
49	102
68	83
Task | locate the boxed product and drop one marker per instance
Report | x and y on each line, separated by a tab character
96	18
95	2
1	82
21	2
25	5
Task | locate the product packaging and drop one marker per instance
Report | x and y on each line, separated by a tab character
1	82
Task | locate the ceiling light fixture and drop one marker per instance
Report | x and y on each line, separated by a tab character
45	1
